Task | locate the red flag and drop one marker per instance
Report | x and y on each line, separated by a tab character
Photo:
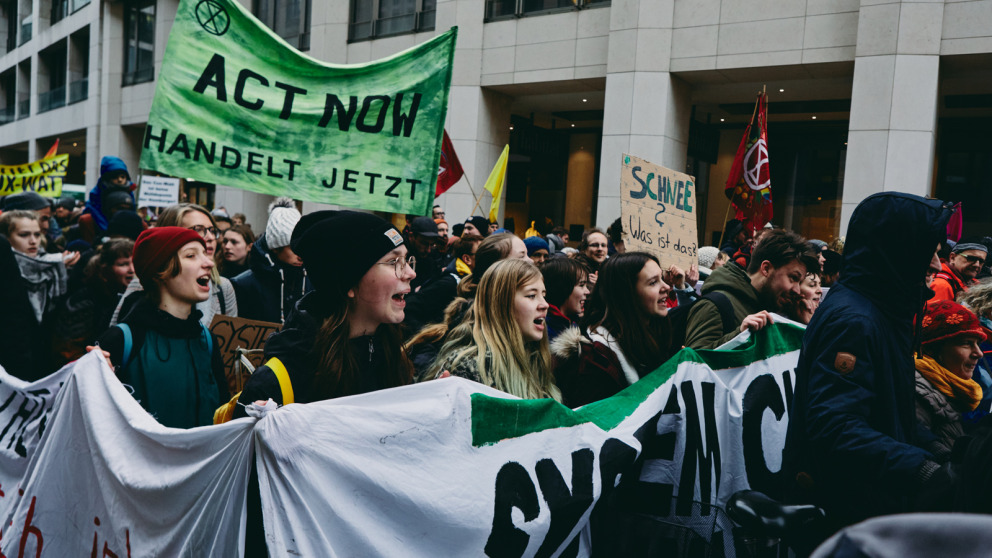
53	151
449	169
956	225
749	185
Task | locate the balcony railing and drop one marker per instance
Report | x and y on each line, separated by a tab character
139	76
501	9
78	90
51	99
8	114
23	108
26	26
60	9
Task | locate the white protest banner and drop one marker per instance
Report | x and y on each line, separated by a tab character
453	468
444	468
158	191
25	414
658	212
107	480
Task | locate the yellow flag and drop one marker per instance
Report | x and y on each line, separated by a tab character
495	182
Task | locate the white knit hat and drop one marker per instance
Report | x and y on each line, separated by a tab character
283	217
707	255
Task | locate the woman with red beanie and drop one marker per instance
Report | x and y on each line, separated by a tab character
161	351
945	388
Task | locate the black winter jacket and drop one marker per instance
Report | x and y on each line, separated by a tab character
852	442
293	346
270	289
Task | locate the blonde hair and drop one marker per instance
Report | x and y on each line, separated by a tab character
978	298
505	361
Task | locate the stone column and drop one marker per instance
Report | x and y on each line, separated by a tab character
647	109
478	120
893	101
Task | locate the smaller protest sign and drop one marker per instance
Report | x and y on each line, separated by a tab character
44	176
658	210
158	191
232	333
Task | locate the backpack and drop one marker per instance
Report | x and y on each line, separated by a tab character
225	412
678	317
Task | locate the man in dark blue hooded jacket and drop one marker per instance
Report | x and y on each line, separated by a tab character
853	446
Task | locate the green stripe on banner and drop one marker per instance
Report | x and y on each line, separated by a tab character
496	419
236	105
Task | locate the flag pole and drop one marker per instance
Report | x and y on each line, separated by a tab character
730	201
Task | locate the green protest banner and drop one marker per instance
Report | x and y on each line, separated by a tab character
43	176
236	105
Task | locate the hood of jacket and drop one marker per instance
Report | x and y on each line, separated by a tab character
265	263
890	241
732	279
94	203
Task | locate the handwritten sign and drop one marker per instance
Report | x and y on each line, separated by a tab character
658	209
232	333
158	191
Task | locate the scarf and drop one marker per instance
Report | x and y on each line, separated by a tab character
44	281
462	268
601	335
966	394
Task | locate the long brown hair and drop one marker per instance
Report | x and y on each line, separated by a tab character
336	363
614	305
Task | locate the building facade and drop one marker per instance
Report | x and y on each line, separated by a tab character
864	96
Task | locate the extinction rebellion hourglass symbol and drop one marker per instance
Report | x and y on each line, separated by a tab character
212	17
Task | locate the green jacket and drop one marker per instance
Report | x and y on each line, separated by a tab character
704	327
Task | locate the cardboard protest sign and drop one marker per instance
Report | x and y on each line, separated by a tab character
158	191
232	333
44	177
235	105
658	211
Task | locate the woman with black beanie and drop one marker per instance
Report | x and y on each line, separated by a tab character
343	338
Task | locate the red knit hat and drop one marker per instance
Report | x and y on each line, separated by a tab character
945	319
155	246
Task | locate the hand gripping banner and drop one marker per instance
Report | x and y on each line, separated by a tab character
443	468
235	105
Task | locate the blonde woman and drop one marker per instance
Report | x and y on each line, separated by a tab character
508	349
198	219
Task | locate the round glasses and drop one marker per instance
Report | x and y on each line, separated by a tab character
202	231
399	265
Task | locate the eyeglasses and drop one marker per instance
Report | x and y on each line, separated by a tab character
399	265
974	259
202	231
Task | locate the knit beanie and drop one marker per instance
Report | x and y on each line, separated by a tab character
155	246
25	200
369	238
945	319
480	223
535	243
283	218
116	198
969	244
707	255
66	203
127	224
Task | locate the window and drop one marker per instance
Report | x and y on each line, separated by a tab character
290	19
59	11
501	9
382	18
139	42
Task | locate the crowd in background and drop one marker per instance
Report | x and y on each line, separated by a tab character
364	306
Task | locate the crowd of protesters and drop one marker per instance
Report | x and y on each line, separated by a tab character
893	374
